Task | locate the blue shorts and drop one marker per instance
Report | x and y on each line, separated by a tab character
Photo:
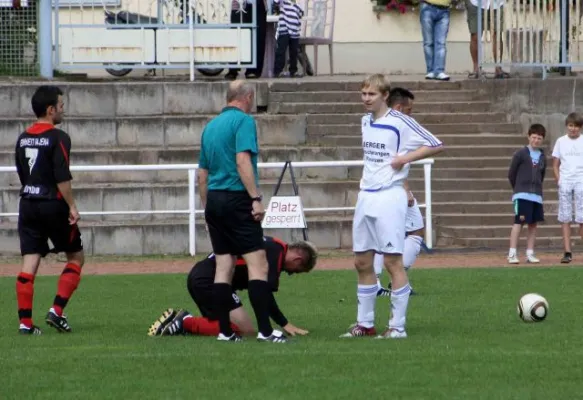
528	212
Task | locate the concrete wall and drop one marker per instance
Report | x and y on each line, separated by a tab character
537	101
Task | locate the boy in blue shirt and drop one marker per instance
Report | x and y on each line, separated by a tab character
526	176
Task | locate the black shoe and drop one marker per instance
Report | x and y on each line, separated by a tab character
176	326
233	338
158	326
567	258
33	330
59	323
275	337
382	292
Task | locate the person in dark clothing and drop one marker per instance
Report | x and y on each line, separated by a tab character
526	176
294	258
242	12
47	209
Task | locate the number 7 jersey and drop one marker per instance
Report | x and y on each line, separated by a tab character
42	161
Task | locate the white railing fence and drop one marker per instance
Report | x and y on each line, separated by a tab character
192	211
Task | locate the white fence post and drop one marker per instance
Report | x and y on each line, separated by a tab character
192	211
428	212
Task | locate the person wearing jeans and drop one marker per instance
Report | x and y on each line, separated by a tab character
434	17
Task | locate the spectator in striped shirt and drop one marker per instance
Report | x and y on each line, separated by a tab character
288	36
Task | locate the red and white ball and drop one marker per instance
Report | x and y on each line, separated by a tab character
533	307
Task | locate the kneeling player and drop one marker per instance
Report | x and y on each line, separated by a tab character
298	257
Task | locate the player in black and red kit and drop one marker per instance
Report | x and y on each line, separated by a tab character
47	209
298	257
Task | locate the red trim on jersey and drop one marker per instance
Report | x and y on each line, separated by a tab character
64	152
39	128
281	259
240	262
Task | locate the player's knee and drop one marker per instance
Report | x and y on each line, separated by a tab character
363	263
394	263
257	265
76	258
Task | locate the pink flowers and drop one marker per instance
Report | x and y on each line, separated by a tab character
397	5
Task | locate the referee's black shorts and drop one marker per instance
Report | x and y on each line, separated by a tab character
232	228
40	220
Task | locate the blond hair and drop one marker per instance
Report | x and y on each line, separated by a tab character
310	250
377	81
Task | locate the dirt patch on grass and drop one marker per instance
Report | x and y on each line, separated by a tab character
330	261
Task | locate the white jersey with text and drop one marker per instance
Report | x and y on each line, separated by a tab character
382	140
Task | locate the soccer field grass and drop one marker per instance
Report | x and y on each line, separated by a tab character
465	341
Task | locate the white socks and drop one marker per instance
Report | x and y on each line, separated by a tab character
399	304
411	250
367	296
529	252
512	252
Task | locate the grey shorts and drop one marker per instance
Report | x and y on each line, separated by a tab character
472	18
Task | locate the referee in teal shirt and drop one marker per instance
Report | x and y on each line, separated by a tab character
228	184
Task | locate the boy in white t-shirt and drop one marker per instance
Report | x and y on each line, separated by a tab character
568	169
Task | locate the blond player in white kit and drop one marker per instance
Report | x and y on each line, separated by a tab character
401	100
391	141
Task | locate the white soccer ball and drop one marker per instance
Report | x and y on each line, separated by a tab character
533	307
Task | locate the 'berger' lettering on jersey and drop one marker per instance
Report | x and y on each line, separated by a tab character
382	140
34	142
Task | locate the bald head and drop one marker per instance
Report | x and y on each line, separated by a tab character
238	90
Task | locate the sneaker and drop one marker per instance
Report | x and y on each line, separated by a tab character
393	333
382	292
233	338
358	330
532	259
513	260
430	75
59	323
157	327
275	337
442	76
33	330
175	326
567	258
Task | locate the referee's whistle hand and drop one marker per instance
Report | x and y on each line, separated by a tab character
258	211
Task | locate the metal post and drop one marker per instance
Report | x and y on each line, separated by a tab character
192	211
45	37
428	212
479	37
191	39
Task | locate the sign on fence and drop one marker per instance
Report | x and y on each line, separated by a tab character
284	212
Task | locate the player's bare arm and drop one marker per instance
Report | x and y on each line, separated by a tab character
245	170
66	190
203	175
556	168
419	154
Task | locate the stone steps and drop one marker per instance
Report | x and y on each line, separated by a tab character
148	131
503	231
471	139
355	85
444	107
422	118
354	96
353	128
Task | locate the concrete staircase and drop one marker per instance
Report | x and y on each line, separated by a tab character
156	122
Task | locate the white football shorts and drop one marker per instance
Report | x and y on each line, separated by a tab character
379	221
